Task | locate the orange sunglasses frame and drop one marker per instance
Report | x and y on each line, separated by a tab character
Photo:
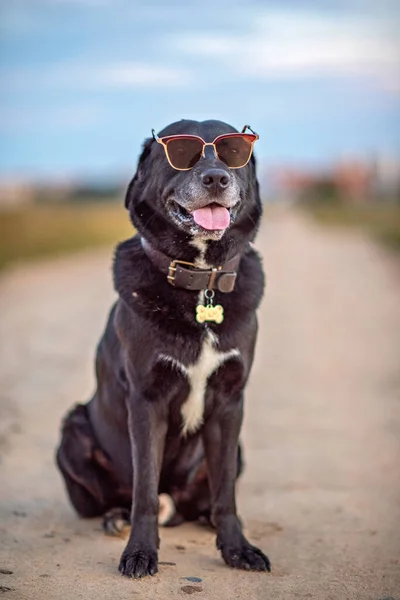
164	142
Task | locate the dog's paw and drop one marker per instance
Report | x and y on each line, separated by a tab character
116	521
138	562
244	556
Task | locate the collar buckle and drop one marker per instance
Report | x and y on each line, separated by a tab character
172	269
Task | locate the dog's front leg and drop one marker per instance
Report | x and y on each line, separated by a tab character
147	423
221	438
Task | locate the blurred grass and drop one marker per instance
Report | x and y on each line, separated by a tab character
31	232
381	221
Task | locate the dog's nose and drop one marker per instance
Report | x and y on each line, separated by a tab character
215	179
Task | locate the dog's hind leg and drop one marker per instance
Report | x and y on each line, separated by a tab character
117	521
86	470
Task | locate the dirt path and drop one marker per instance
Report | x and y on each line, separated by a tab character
321	492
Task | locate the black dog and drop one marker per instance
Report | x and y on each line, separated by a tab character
167	412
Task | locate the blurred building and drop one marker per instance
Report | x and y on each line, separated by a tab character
351	180
14	193
18	192
386	182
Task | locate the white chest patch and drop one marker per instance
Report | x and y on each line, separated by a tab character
208	361
201	246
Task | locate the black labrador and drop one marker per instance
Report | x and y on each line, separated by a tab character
172	365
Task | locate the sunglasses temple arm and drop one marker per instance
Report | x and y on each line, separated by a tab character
155	136
249	128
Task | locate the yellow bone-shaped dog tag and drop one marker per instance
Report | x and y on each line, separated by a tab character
209	313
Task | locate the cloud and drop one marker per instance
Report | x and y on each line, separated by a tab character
282	44
131	74
14	120
78	3
127	74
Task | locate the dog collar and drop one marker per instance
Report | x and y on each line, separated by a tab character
186	275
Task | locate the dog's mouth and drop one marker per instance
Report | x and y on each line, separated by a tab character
212	217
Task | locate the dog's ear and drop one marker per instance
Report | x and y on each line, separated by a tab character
254	180
139	171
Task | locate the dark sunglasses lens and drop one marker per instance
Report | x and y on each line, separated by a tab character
234	151
184	153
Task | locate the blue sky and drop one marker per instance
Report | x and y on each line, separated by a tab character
84	81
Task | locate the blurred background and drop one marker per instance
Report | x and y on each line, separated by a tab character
84	81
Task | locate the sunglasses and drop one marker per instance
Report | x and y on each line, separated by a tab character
184	151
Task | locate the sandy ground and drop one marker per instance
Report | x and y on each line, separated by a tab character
321	491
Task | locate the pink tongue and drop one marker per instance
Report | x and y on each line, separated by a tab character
212	217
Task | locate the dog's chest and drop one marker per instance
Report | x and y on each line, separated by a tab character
198	373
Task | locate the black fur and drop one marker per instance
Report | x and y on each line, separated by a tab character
125	446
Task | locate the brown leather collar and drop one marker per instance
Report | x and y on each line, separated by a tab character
186	275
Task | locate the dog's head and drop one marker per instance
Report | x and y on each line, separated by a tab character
210	201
